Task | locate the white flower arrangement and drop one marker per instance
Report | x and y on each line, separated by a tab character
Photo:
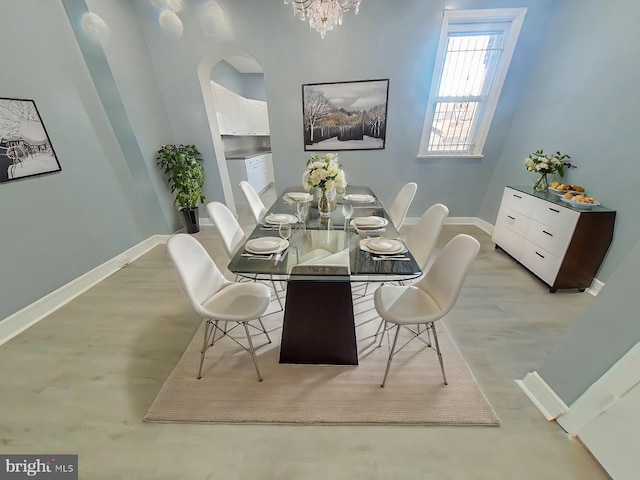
544	163
324	172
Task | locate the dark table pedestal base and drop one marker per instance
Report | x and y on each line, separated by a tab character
319	325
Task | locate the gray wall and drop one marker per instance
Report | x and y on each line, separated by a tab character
582	98
402	48
56	227
599	337
224	74
249	85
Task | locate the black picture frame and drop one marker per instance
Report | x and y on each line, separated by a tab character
345	115
25	147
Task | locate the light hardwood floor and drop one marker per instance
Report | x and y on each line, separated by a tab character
81	380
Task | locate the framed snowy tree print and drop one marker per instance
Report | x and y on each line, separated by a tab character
345	115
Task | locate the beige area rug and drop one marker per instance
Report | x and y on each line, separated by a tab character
229	391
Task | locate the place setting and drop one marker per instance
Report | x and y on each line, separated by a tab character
297	197
268	248
274	220
382	248
359	198
369	224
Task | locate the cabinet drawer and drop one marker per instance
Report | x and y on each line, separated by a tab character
508	240
548	238
559	218
541	262
513	220
252	162
517	201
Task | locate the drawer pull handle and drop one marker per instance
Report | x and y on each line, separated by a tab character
541	256
554	210
512	218
517	196
550	234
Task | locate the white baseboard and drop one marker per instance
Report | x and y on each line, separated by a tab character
542	396
595	287
32	314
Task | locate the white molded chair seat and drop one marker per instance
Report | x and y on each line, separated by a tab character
256	206
400	206
406	305
214	297
428	300
237	301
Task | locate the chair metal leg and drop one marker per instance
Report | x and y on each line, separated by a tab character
207	325
264	330
435	339
215	332
275	290
251	349
379	327
393	348
384	330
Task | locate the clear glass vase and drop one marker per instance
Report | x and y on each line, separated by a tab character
542	184
324	204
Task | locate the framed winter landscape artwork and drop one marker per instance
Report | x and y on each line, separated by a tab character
25	148
345	115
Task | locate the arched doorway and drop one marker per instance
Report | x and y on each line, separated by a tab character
244	64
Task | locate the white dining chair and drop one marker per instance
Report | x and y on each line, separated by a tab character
233	237
256	206
400	206
423	238
215	298
428	300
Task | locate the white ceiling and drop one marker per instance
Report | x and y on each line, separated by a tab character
244	63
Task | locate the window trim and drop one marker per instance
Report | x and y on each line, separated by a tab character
459	21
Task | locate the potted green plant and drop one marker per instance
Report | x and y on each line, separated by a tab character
182	166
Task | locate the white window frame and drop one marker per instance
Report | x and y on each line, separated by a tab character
459	21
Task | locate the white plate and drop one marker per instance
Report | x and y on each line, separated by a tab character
369	222
298	197
562	192
580	205
359	198
266	245
278	218
382	246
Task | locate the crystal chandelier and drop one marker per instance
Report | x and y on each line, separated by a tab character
323	15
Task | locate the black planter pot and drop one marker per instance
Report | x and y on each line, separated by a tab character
190	218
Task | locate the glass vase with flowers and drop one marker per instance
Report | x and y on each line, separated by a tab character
546	164
324	174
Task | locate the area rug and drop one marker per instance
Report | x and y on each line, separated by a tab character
229	391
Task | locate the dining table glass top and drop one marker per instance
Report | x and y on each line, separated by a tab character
365	247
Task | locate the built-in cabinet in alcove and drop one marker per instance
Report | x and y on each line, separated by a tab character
238	115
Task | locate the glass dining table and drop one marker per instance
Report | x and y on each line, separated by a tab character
319	259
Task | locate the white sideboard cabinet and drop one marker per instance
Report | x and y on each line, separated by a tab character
561	245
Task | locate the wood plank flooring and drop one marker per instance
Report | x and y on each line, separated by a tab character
81	380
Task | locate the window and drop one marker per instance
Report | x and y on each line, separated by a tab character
473	57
